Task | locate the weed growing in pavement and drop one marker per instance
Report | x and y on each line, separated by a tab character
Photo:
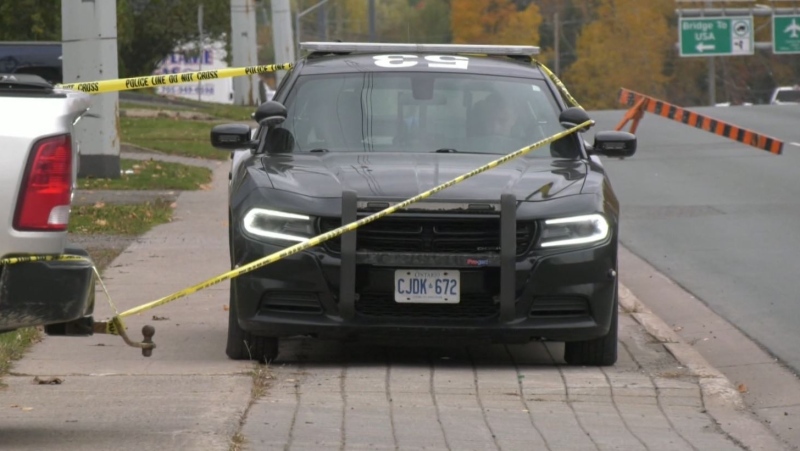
237	442
261	381
14	344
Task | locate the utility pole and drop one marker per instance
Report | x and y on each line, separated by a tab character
201	50
282	35
712	81
300	14
556	43
245	51
373	36
322	24
712	73
89	53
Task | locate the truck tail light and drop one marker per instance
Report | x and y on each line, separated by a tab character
46	192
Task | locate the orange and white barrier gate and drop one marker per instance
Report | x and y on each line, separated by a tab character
641	103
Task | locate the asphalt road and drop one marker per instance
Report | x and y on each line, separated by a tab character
720	218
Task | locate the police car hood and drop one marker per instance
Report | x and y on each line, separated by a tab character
400	176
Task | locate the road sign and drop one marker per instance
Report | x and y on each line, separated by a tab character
716	36
786	34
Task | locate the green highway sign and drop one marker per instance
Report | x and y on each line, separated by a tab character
716	36
786	34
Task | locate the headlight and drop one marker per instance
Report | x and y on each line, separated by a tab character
575	230
278	225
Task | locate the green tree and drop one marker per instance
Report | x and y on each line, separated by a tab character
154	28
30	20
147	30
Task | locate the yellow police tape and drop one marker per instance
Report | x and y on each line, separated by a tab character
348	227
559	84
153	81
41	258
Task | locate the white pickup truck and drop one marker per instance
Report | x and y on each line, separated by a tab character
38	167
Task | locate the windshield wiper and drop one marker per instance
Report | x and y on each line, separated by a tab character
445	150
24	81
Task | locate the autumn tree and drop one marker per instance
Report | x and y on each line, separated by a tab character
626	46
495	22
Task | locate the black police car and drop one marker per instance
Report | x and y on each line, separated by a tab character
525	251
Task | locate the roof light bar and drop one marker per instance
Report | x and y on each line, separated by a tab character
365	47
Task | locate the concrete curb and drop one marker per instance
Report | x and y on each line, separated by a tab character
721	399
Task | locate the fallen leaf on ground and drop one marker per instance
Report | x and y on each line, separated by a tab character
173	205
99	204
225	307
742	388
47	381
101	222
14	406
160	318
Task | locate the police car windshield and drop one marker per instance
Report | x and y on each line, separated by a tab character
419	112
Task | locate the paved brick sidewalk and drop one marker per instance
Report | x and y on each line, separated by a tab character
348	396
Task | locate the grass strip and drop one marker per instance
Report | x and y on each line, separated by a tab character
112	219
171	136
151	175
218	110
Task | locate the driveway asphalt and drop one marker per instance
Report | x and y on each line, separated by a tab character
328	395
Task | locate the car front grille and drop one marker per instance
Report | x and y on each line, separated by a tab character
444	235
470	307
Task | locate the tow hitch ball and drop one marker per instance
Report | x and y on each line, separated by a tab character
116	328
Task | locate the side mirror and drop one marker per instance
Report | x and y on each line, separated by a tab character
573	116
270	113
231	137
614	144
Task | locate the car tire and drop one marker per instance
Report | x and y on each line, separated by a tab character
599	351
243	345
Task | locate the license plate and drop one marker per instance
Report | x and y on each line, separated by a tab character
426	286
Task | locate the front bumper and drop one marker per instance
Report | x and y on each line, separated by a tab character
562	295
46	293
